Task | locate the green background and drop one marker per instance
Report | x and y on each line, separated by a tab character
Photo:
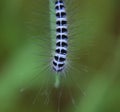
100	32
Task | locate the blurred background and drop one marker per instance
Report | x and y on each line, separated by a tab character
102	83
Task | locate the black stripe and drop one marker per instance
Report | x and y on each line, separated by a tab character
61	59
62	7
61	44
63	14
64	30
57	51
61	23
58	7
64	22
54	63
63	51
58	37
58	23
58	14
56	58
58	44
60	1
64	44
58	30
64	37
60	65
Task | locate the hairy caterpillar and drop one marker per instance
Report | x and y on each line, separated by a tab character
45	29
55	36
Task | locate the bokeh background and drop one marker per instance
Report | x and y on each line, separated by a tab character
102	83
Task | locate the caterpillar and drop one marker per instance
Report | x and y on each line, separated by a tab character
59	60
58	50
57	32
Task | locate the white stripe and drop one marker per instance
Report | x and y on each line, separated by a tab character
64	48
60	10
61	19
62	33
58	4
61	40
62	26
60	55
58	62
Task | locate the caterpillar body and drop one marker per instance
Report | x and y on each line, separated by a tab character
59	47
59	60
57	55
